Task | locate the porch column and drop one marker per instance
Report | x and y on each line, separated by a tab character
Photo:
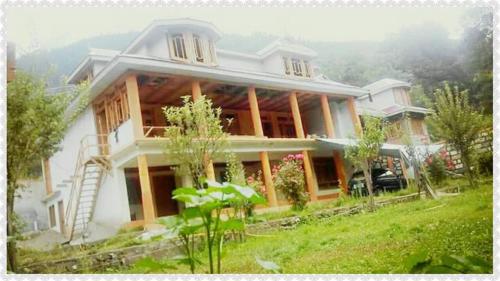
134	105
330	131
299	129
268	179
264	157
351	106
254	110
196	94
146	192
46	176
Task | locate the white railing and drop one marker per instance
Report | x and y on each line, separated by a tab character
86	151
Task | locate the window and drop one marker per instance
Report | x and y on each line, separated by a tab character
52	216
198	49
211	49
286	66
286	126
326	173
297	67
307	69
179	47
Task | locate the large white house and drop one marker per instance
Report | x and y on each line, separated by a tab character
113	170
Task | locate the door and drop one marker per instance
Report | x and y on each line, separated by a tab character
163	186
60	207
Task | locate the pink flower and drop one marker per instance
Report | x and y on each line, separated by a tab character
299	156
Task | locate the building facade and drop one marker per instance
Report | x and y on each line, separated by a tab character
113	169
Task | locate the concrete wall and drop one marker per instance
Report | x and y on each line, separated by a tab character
29	207
344	128
380	101
315	122
274	64
111	207
121	137
231	61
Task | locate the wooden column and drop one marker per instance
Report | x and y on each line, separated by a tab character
268	179
147	194
254	110
134	105
46	176
299	129
330	131
264	157
351	106
196	94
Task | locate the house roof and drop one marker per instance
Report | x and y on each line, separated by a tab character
392	110
384	84
180	23
129	63
93	55
282	45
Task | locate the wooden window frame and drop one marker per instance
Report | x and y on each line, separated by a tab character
52	216
286	65
178	40
297	67
198	49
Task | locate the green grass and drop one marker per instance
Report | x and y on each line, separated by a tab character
378	242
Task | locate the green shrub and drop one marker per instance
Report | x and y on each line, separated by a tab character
485	163
436	168
288	177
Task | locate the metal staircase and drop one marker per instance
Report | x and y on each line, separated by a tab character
91	166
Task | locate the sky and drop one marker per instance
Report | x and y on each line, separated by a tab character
34	28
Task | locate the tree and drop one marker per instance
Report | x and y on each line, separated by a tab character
457	122
195	136
366	149
35	126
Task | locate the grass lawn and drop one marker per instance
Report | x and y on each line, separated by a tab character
378	242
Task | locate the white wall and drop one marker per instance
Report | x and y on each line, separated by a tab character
121	137
344	127
314	121
111	207
274	64
380	101
237	62
157	46
63	163
29	207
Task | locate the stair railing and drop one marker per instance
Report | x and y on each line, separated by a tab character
85	152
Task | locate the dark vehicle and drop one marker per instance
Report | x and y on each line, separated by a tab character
383	180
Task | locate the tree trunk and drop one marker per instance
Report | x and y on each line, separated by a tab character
11	231
369	185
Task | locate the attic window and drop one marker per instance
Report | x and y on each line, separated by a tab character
198	49
286	65
179	47
307	69
297	67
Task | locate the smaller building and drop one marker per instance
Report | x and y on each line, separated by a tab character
390	99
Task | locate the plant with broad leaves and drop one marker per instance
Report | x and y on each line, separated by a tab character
203	215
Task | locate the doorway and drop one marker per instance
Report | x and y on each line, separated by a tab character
102	128
163	184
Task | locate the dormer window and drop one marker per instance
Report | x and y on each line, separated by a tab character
179	47
198	48
297	67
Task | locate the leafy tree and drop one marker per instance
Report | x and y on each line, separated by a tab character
457	122
289	178
35	126
366	149
437	168
195	135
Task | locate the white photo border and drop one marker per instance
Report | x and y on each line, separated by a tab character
5	4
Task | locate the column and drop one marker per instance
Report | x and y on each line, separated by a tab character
147	194
351	106
268	179
330	131
46	176
134	105
308	171
264	157
196	94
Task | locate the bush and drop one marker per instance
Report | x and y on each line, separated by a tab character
436	168
485	163
288	177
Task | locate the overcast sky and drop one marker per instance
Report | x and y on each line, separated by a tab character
32	28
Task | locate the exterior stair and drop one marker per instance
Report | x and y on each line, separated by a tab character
91	167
